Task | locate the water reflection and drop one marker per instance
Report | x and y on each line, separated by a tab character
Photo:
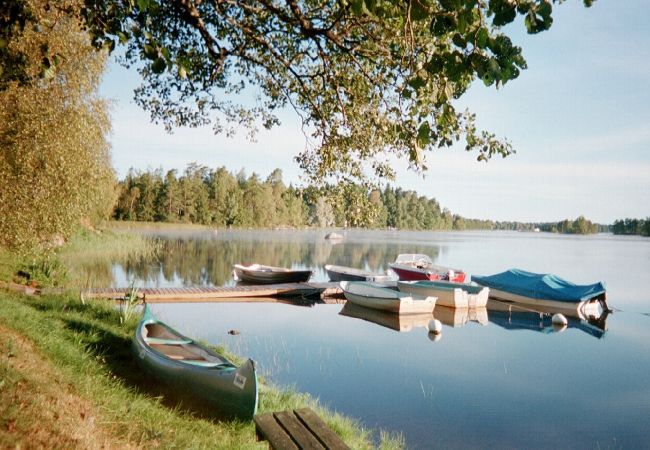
207	259
457	317
402	323
515	317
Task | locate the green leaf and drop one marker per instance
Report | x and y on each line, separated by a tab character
124	37
424	134
143	5
419	10
417	82
150	51
159	65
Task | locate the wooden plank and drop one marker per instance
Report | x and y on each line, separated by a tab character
296	429
320	429
268	429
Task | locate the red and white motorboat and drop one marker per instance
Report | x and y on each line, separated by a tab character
415	266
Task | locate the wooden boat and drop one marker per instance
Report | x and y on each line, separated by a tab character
545	290
453	295
259	274
371	295
196	370
342	273
415	266
402	323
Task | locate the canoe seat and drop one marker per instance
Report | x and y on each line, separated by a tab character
204	363
153	340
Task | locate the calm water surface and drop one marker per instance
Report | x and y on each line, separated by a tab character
494	379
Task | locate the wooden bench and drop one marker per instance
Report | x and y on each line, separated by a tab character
296	430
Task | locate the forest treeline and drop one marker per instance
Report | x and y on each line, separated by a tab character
220	198
632	226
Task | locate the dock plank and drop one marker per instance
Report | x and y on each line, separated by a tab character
320	429
268	429
300	428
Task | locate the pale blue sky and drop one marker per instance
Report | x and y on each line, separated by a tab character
579	118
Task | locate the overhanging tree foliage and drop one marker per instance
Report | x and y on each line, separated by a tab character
369	78
54	157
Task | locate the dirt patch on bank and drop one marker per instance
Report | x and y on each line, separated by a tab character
38	409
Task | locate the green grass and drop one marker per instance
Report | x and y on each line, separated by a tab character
90	348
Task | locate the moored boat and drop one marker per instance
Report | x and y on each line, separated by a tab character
415	266
342	273
205	375
453	295
371	295
520	286
260	274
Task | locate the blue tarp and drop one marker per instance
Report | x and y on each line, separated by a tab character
540	286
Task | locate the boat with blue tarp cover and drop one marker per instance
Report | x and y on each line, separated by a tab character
520	286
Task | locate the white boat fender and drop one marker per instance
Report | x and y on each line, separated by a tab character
434	337
559	319
435	326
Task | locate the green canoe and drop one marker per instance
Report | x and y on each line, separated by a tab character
195	370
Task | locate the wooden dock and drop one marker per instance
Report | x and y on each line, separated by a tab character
328	292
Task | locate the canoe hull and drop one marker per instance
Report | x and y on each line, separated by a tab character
229	391
259	274
384	299
452	295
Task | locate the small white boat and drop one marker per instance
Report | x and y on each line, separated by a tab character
375	296
453	295
342	273
334	236
260	274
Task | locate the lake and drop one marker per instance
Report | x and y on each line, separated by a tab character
493	378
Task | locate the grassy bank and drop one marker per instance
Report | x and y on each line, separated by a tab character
67	379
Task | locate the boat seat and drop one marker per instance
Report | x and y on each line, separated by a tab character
204	363
153	340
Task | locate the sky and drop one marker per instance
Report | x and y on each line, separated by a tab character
578	117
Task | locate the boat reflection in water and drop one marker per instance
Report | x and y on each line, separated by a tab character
399	322
452	317
457	317
512	316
